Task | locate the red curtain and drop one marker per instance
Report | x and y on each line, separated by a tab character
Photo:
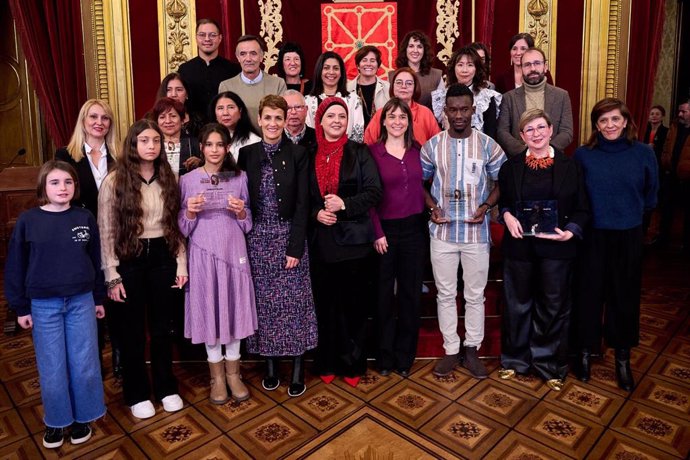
645	43
484	21
50	33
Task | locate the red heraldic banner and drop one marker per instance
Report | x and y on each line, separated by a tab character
346	27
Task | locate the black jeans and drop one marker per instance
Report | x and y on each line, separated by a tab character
537	316
608	289
403	262
147	280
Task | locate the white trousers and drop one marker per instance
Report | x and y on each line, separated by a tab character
474	257
215	352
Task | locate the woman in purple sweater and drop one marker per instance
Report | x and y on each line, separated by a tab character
400	227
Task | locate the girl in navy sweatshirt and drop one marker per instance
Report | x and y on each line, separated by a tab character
54	282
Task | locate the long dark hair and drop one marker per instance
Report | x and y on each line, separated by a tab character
479	79
606	105
427	58
317	89
390	106
244	125
228	161
127	212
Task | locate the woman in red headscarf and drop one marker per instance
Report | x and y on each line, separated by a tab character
344	185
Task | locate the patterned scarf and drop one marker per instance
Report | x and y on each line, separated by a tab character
329	153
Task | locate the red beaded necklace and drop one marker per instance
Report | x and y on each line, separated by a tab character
539	163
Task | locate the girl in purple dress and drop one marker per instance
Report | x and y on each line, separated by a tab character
219	302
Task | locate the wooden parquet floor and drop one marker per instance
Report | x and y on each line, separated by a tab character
392	417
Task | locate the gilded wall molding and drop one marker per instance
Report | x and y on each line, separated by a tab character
176	33
538	18
447	28
271	29
107	57
606	34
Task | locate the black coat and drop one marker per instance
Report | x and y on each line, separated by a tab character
659	139
568	188
189	147
290	175
360	189
88	190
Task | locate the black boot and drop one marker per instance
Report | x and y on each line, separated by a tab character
270	381
584	365
623	372
297	386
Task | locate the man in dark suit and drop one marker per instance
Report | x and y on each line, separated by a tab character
296	128
204	73
535	93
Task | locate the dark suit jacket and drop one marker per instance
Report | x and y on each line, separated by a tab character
291	177
308	141
568	189
88	191
556	105
189	147
360	189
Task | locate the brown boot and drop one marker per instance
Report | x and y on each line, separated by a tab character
473	364
219	391
237	388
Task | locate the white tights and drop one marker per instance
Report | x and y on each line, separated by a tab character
215	352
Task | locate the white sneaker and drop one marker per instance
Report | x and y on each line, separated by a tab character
172	403
143	410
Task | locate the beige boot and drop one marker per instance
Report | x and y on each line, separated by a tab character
219	391
237	388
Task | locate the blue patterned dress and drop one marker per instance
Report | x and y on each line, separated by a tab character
284	301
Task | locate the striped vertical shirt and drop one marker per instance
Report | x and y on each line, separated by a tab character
463	173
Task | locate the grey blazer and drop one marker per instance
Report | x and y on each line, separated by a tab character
556	105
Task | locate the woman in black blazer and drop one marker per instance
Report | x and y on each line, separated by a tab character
181	149
344	186
538	268
277	174
92	151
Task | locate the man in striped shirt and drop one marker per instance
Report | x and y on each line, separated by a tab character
463	166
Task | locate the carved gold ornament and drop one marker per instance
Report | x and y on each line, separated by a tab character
447	29
175	36
271	29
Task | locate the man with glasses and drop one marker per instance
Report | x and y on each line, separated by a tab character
252	84
204	73
296	128
535	93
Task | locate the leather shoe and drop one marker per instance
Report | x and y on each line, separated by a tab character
584	365
623	371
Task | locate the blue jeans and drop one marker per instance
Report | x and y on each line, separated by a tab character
66	342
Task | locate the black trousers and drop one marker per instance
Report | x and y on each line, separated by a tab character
403	262
341	314
151	300
537	316
674	194
608	289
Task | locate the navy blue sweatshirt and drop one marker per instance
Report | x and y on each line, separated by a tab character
622	182
53	254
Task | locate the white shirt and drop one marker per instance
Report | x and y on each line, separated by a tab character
100	170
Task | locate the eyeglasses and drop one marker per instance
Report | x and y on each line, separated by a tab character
535	64
211	35
532	131
405	83
297	108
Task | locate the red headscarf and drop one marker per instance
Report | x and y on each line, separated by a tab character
329	153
